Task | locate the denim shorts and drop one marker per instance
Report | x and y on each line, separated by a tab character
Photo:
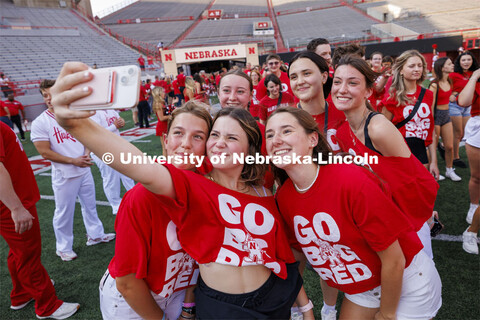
421	296
457	111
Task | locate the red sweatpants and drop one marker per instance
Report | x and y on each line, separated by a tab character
29	277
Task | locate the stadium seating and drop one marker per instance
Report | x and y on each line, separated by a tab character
36	54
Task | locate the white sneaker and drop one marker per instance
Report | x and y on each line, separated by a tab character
471	212
66	310
21	306
296	315
67	255
106	238
470	242
440	177
332	315
453	176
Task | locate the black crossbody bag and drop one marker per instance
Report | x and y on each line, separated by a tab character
414	111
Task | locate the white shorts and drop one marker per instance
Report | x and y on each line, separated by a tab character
421	296
472	132
114	306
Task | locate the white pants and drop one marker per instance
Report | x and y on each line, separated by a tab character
111	183
114	306
66	191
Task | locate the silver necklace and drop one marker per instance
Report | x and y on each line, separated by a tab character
311	184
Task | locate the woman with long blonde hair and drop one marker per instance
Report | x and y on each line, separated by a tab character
409	107
189	92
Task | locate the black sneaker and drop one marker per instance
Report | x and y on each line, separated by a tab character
441	150
459	163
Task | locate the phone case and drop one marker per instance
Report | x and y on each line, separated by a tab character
101	93
113	88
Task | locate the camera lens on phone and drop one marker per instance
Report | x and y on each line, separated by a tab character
131	71
124	79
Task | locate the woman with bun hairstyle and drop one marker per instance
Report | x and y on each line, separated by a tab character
344	221
464	66
247	269
415	124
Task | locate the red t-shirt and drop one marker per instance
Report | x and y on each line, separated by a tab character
143	94
413	188
181	80
216	224
158	83
150	59
335	118
459	81
147	245
421	125
3	113
341	223
16	162
254	103
262	90
267	105
13	106
176	89
141	61
475	111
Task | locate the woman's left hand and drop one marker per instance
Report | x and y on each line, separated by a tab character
433	168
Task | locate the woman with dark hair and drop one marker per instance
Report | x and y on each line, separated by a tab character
344	221
368	132
442	90
150	273
245	263
409	107
308	74
274	99
464	66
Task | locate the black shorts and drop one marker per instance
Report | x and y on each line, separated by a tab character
442	117
273	300
417	147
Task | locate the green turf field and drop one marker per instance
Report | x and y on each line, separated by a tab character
77	280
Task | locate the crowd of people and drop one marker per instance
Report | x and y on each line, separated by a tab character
364	229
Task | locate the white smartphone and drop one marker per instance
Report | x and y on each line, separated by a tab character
112	88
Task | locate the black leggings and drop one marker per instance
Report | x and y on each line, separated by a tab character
143	112
18	122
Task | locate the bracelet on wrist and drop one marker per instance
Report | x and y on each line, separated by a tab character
307	307
189	310
188	304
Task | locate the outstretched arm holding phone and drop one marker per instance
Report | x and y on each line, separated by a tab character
96	138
